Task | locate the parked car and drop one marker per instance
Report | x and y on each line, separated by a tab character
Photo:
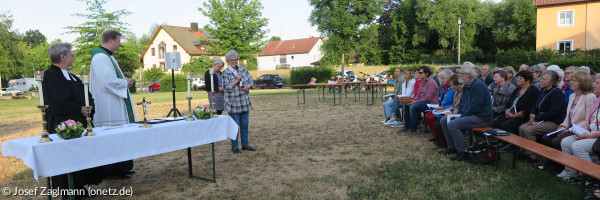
269	80
379	76
11	91
198	83
155	86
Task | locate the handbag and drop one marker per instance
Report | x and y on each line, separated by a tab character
596	147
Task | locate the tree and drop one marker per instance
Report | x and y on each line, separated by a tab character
275	38
515	24
34	38
153	74
146	37
90	34
341	21
198	65
11	53
236	25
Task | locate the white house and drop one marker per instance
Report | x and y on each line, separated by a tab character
184	40
290	53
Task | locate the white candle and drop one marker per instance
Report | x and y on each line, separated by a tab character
86	82
39	78
212	85
188	77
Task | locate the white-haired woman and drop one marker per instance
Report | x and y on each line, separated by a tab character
218	86
237	83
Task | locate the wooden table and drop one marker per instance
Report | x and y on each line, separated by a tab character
373	90
302	87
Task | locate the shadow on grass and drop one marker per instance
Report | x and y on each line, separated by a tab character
438	178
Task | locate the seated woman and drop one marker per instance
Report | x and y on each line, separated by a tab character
548	111
428	94
519	105
446	97
501	92
566	88
405	101
440	140
581	145
391	106
64	95
407	92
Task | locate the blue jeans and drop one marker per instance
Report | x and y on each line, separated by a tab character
242	120
415	111
390	107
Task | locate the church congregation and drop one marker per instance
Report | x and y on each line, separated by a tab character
557	108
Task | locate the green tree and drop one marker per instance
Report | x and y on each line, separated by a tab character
90	34
34	38
146	37
275	38
11	52
237	25
198	65
515	24
36	58
341	21
153	74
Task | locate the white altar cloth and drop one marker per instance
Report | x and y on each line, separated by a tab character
116	144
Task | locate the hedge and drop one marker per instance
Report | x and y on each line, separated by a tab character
180	84
304	74
516	57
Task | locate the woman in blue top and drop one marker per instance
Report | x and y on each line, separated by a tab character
446	98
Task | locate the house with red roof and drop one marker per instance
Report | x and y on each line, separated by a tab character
288	54
565	25
185	40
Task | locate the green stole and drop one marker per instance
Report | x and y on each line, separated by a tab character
119	75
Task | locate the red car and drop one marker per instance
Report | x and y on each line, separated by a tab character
154	86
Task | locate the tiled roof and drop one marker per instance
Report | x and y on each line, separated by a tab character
290	46
184	36
552	2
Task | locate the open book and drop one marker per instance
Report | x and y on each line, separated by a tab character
554	132
435	112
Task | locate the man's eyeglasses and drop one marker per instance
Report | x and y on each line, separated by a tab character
420	72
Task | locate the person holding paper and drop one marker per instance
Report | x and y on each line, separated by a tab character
428	93
446	99
548	111
475	109
580	144
440	140
64	95
580	105
406	96
237	83
391	106
217	84
519	105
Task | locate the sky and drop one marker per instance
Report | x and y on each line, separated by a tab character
286	19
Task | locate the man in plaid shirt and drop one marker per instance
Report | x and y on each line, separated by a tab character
237	83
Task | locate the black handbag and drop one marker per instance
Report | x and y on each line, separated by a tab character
596	147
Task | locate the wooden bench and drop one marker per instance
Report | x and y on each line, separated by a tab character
585	167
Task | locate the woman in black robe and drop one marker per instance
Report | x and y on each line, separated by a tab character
64	95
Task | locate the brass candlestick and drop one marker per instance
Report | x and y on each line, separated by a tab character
214	111
89	132
44	133
189	118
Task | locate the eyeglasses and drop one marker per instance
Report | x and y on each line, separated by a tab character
233	60
420	72
568	72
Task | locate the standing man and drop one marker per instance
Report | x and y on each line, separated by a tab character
475	109
485	74
237	83
109	86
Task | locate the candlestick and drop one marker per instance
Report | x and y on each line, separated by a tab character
39	77
88	110
189	118
44	133
212	85
188	77
86	82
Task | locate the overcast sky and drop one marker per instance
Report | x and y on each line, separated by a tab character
287	19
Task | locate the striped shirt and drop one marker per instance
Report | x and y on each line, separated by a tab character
236	100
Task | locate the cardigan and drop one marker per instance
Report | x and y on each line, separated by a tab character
549	106
526	102
581	112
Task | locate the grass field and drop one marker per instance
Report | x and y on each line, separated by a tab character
308	151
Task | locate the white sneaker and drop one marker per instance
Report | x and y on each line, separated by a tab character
391	121
564	174
383	121
398	124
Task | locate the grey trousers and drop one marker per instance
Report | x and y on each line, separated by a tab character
579	148
454	130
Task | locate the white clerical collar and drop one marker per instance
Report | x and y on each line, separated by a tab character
67	75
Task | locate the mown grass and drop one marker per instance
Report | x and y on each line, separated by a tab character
313	151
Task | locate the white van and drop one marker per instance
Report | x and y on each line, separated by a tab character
23	84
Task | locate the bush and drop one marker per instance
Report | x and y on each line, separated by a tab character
180	84
516	57
302	75
153	74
